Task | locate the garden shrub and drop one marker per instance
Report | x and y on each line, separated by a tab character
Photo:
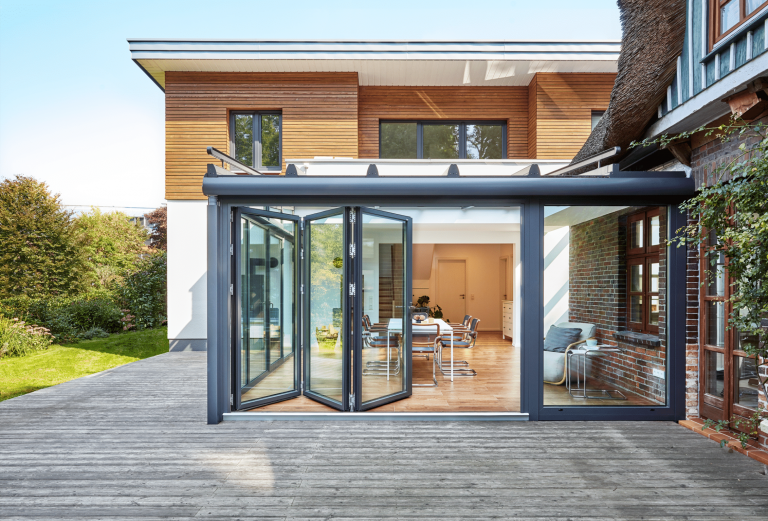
17	338
94	332
143	292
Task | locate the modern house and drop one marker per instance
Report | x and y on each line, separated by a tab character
698	63
395	230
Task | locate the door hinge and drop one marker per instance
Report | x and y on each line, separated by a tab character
302	253
302	289
301	223
231	399
352	402
231	289
231	249
352	217
352	250
302	387
351	290
231	217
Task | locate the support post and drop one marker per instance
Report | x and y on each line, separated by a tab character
215	414
532	292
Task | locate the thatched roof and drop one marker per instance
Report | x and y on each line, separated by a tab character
653	34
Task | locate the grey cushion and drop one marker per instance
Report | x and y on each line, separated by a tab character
559	338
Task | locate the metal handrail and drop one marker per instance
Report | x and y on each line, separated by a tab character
588	161
224	158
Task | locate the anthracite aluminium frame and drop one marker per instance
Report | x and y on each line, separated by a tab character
420	124
257	149
530	194
260	218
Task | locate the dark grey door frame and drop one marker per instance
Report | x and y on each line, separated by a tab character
383	192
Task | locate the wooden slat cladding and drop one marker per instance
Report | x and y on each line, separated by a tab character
532	113
319	118
458	103
563	111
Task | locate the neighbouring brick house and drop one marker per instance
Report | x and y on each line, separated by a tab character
684	65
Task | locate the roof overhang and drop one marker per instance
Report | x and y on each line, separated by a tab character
641	187
407	63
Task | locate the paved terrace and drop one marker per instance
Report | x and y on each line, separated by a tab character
132	443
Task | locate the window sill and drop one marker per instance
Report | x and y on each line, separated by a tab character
641	339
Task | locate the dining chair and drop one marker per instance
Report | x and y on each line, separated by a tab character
466	340
373	340
425	338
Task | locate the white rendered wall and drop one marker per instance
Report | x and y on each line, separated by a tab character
187	266
556	276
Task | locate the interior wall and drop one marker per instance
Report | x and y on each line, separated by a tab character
482	264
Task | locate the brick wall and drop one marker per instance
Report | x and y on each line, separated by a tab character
597	294
692	332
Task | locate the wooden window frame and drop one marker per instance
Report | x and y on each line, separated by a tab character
714	19
644	256
420	124
257	152
714	407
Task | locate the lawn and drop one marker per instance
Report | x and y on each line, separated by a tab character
59	364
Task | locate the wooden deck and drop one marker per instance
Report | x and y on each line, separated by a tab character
132	443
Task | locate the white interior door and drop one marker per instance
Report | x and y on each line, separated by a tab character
452	288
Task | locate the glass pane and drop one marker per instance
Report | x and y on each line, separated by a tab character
745	341
753	4
715	263
636	309
484	142
745	382
270	140
326	297
654	276
398	140
729	15
714	366
244	139
268	308
384	301
636	278
441	142
653	311
636	235
715	324
655	238
597	115
593	289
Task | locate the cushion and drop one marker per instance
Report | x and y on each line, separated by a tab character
559	338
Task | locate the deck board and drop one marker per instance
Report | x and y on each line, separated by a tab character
132	443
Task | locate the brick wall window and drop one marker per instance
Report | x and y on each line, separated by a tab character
643	241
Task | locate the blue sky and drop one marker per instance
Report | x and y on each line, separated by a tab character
78	114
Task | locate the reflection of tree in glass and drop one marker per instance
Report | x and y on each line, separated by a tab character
325	285
398	140
441	141
484	142
270	140
244	139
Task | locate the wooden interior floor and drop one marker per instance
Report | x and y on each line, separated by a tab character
496	388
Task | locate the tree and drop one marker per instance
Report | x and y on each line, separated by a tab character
730	218
158	221
111	242
40	255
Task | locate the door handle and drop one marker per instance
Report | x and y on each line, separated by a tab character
462	295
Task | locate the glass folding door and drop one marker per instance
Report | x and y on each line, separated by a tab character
382	250
267	360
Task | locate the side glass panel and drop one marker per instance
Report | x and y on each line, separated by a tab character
398	140
384	303
441	141
267	294
715	324
244	138
484	142
324	359
599	294
745	382
270	140
714	368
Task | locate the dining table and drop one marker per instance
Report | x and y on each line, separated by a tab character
395	325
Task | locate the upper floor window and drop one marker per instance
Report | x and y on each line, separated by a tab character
727	15
442	140
597	115
643	243
255	139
